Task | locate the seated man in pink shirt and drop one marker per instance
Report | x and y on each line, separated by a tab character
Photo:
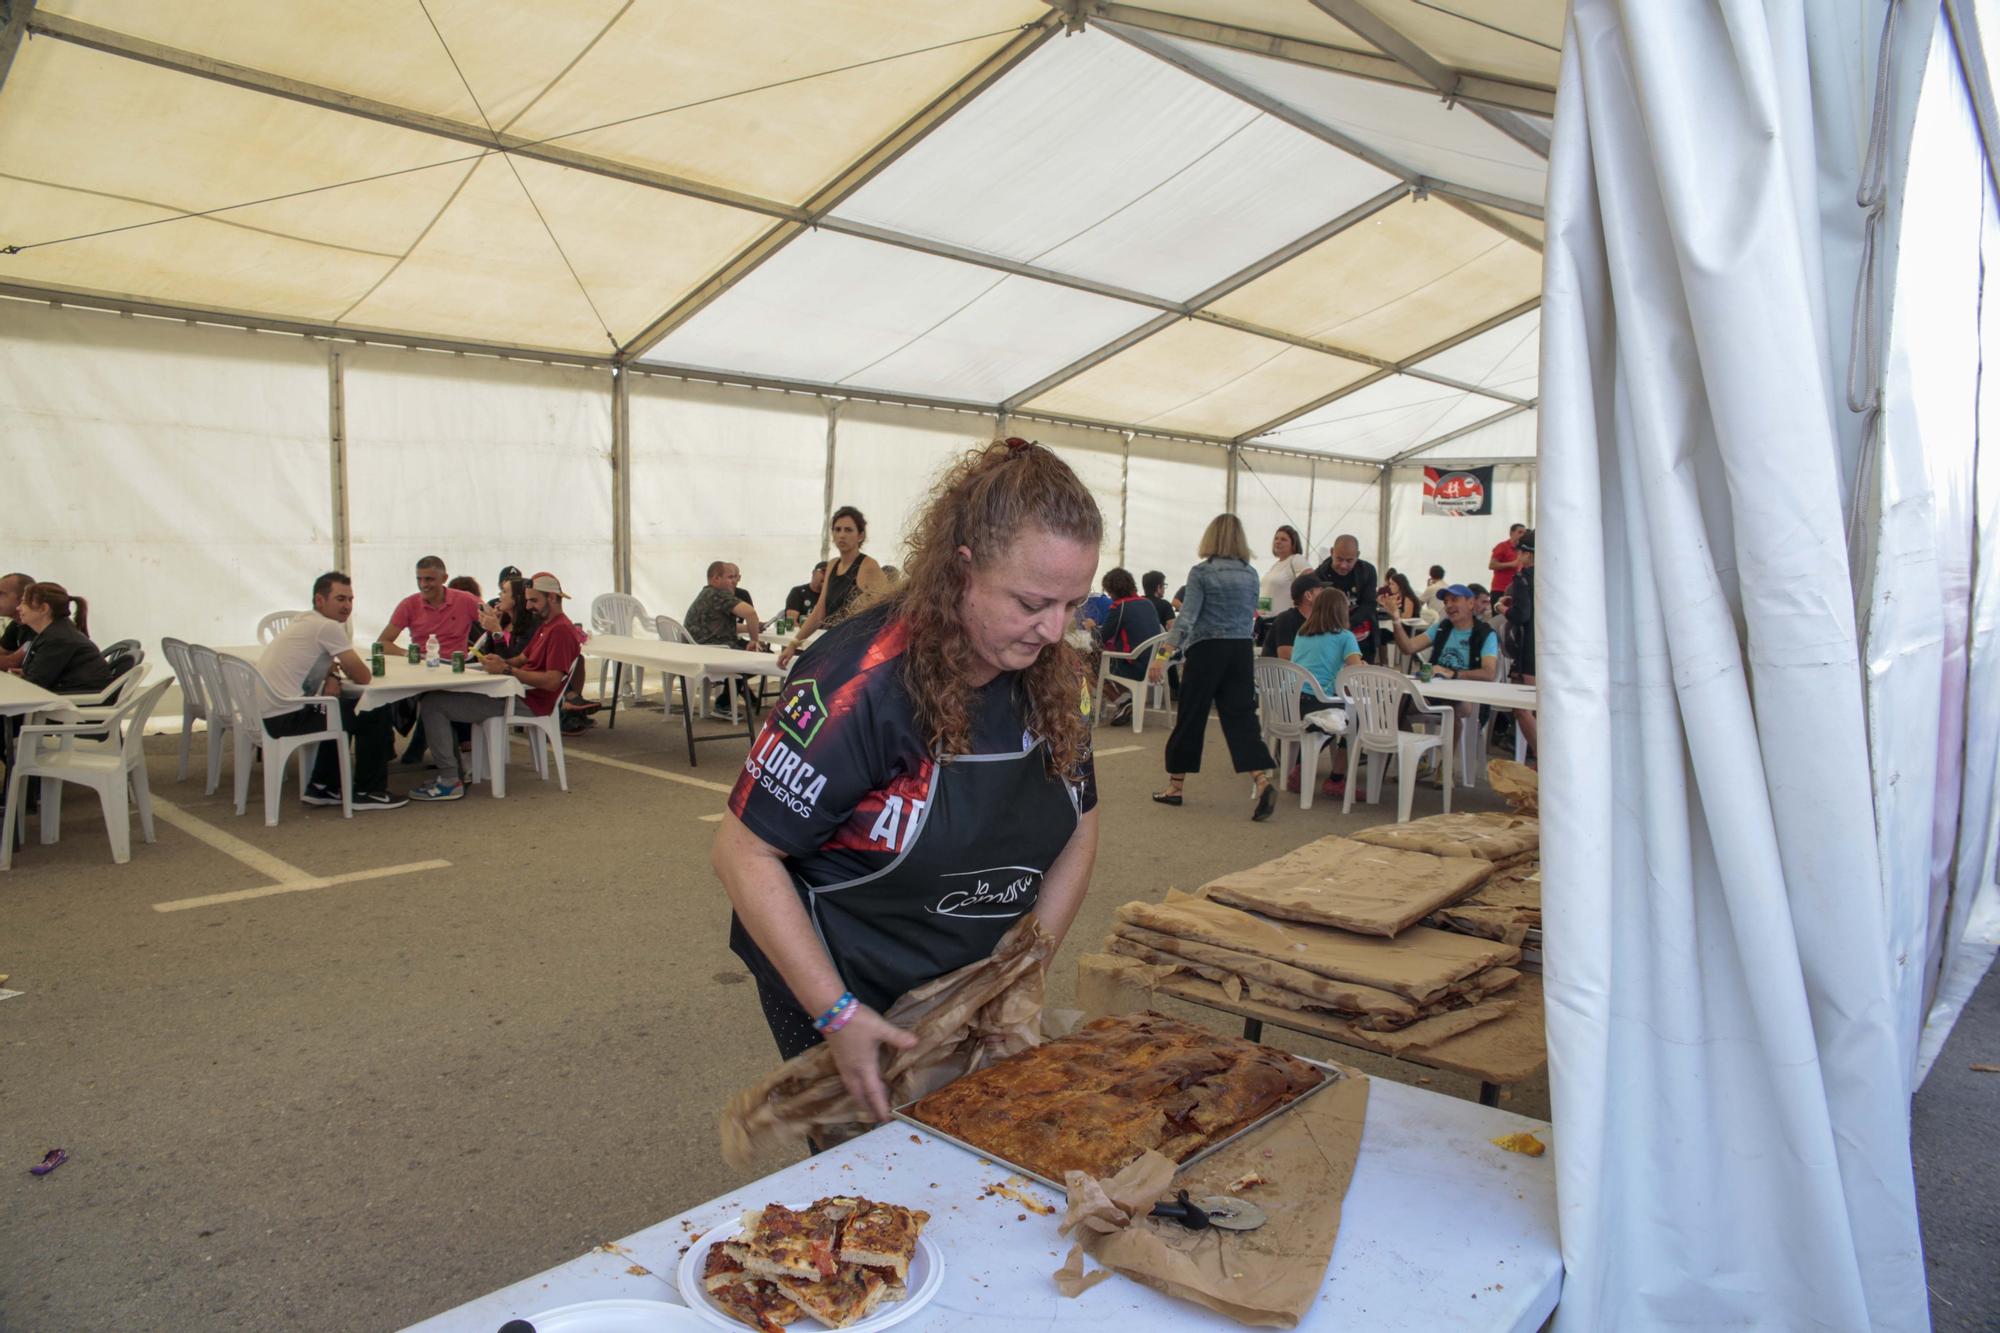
543	668
434	608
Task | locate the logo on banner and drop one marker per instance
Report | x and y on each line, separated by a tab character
1458	492
802	713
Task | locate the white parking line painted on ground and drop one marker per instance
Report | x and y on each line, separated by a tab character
715	818
661	773
1116	749
289	878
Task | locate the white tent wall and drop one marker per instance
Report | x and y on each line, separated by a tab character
1462	545
177	477
1272	489
483	462
1173	489
1933	592
722	473
886	457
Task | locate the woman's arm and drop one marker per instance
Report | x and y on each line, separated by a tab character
760	889
809	628
1190	612
1068	879
869	577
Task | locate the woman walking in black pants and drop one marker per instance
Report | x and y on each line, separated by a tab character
1212	635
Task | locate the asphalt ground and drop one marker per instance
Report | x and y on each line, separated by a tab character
1952	1126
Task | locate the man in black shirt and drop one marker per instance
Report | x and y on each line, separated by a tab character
801	600
1285	625
15	638
1346	570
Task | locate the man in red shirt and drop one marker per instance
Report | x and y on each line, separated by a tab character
544	668
1506	559
434	608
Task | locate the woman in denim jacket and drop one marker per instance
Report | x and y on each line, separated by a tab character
1212	636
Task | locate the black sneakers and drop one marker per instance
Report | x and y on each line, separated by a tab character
367	800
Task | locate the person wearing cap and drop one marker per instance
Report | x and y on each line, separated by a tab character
1283	628
543	668
1459	647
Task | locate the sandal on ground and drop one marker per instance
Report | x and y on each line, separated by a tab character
1172	795
1267	799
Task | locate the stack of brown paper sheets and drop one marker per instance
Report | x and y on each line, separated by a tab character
1506	907
1354	885
1496	839
1377	983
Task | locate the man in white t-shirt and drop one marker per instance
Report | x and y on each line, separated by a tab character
311	656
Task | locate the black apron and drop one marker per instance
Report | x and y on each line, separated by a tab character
990	829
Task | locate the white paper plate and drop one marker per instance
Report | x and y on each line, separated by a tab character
926	1276
622	1316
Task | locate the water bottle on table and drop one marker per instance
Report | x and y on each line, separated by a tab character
431	658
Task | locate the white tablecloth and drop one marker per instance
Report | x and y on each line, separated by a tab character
682	659
1440	1231
400	679
18	697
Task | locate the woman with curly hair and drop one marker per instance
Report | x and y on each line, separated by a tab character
925	779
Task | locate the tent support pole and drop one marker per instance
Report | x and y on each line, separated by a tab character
336	421
1382	522
1124	493
621	479
826	492
1312	499
11	34
1229	484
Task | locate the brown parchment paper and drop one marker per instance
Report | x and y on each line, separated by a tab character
1420	963
1345	997
1354	885
1520	785
1500	839
1268	1277
963	1021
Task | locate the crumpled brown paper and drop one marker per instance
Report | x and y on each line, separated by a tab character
1267	1277
1519	784
964	1020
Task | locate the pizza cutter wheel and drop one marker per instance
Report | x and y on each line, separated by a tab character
1215	1210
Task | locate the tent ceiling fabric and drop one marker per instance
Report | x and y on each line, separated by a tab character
1165	210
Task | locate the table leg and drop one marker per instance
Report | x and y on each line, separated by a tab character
617	683
687	715
1253	1029
1489	1094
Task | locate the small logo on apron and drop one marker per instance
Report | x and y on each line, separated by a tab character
996	892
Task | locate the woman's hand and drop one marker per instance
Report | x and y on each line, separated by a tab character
787	653
1157	671
857	1053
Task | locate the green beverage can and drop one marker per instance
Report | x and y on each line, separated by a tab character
376	662
458	663
416	653
1424	670
1263	604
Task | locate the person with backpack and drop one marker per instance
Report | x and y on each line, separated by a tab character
1459	647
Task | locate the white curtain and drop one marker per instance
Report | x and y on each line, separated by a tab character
1729	1076
886	458
482	462
1173	489
177	477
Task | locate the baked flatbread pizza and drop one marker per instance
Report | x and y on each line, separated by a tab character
778	1243
848	1297
755	1302
883	1237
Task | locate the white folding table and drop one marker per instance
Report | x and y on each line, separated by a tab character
1441	1230
19	697
1492	694
687	661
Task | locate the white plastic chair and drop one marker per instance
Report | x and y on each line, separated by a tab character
1279	686
250	699
672	631
269	626
109	755
194	703
544	741
1374	698
618	613
1143	691
207	665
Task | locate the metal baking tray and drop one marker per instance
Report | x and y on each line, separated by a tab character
1333	1075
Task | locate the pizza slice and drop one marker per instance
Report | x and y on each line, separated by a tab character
783	1243
883	1237
755	1302
848	1297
